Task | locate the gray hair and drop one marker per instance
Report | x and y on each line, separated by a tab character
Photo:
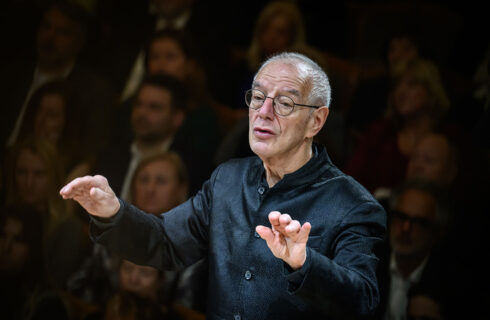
310	71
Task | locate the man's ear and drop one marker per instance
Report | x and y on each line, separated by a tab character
317	120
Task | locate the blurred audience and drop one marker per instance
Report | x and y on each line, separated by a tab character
173	53
417	105
141	294
434	158
157	117
174	108
418	223
60	37
35	177
126	54
370	99
160	183
52	114
21	259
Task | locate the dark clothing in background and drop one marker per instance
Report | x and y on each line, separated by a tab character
94	96
245	279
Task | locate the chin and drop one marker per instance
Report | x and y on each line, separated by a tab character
261	149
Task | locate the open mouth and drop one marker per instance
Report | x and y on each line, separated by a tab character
263	132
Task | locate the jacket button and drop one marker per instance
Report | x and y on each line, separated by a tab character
248	275
261	190
237	317
256	235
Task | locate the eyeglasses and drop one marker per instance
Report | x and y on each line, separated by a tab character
401	217
283	105
421	318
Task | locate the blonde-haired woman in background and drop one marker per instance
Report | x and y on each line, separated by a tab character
417	105
160	183
35	175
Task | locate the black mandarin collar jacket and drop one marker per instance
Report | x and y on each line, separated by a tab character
338	279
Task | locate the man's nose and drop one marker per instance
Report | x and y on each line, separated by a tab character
29	179
267	109
406	225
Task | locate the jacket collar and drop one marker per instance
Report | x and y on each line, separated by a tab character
315	167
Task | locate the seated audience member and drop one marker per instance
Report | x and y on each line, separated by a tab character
370	98
147	284
418	222
52	114
128	41
173	53
159	184
157	117
437	158
21	259
434	158
418	104
60	37
35	176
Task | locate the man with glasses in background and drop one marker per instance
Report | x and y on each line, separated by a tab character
419	220
320	226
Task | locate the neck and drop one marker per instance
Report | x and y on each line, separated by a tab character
276	168
147	146
407	265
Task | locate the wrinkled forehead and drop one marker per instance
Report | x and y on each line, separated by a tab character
281	76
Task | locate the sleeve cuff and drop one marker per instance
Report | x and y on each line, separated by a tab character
102	224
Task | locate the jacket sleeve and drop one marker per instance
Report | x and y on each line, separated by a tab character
172	240
344	284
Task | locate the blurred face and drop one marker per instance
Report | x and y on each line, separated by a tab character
412	232
14	251
50	119
166	57
59	40
400	51
142	280
275	137
276	36
152	117
423	308
410	97
157	188
31	178
431	160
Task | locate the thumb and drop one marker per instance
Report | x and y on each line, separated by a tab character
304	232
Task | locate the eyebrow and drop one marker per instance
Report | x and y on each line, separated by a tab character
294	92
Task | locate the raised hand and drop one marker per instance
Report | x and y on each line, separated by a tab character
286	239
93	194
